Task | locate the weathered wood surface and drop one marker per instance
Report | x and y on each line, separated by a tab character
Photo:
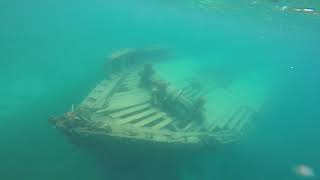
123	103
137	116
124	112
151	119
163	123
99	95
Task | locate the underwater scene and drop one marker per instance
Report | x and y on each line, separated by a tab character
160	90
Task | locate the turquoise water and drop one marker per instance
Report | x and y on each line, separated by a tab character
52	54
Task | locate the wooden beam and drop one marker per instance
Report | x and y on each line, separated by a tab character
245	120
150	119
101	93
228	117
163	123
238	115
127	101
129	110
121	106
128	93
135	117
188	126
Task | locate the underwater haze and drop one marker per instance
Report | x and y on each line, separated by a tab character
52	53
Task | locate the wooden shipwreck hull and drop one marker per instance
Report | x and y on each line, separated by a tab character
134	107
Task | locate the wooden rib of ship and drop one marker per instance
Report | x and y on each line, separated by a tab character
133	106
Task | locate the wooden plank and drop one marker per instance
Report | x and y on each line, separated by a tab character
162	124
225	140
124	105
119	106
132	80
212	126
229	117
97	91
129	110
236	118
100	95
197	129
188	126
226	118
227	112
135	117
245	120
188	92
129	93
99	88
223	133
176	127
194	94
186	88
150	119
216	118
216	124
134	77
132	84
127	100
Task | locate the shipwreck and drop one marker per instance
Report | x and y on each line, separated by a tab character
133	106
136	116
